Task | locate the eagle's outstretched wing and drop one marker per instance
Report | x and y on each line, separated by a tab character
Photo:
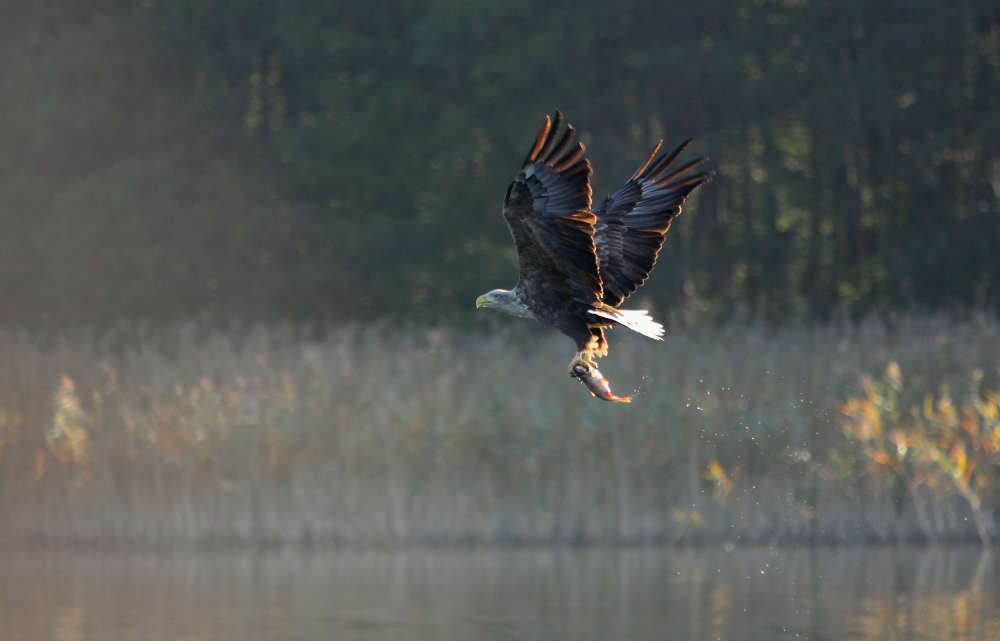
631	223
546	208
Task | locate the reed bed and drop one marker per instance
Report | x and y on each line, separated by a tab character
384	436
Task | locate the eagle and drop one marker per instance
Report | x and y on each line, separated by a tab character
578	263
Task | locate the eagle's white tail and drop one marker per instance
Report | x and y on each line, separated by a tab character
637	320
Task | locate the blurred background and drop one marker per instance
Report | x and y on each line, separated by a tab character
322	161
240	244
240	364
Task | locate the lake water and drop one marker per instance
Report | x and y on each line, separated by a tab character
490	595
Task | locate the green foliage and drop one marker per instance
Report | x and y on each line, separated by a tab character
305	153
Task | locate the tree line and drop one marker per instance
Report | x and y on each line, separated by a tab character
324	161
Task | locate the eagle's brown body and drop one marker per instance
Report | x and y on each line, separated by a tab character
578	263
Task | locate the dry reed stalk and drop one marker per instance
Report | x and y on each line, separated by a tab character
386	436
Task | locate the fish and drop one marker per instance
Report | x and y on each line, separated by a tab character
597	384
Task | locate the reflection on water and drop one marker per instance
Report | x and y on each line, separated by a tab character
501	594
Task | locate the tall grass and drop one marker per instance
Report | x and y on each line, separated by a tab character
383	436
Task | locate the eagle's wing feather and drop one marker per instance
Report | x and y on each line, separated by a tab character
631	224
546	209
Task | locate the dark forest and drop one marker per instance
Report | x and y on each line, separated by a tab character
321	162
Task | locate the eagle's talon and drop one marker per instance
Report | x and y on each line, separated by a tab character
581	365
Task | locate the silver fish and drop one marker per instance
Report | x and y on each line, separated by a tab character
597	384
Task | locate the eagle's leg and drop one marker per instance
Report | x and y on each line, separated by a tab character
589	341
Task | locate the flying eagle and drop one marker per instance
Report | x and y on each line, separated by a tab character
577	264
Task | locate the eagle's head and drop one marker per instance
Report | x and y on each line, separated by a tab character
504	301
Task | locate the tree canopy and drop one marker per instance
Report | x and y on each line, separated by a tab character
313	160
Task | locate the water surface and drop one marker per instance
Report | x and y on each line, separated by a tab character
490	595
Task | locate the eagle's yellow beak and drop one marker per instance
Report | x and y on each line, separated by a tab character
481	301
